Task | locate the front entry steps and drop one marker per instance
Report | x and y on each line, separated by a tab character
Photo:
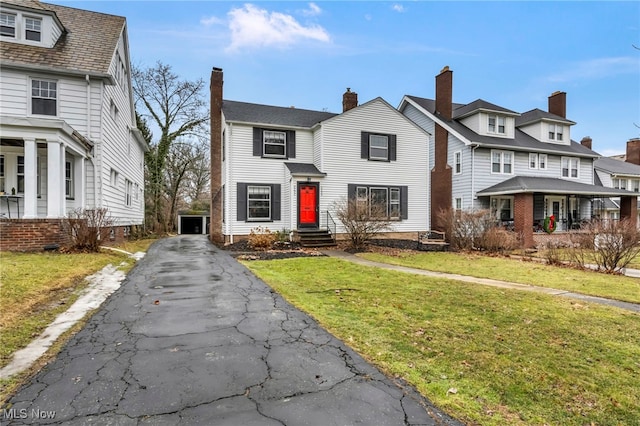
315	238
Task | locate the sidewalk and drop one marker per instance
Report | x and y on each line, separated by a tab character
484	281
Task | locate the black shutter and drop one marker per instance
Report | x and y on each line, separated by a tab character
242	201
392	147
404	202
257	142
291	144
275	201
351	191
364	145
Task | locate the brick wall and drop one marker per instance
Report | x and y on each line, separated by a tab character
523	218
31	234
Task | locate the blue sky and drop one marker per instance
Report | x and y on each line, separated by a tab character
305	54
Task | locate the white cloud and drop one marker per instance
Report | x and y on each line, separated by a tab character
212	20
314	10
398	8
597	68
252	27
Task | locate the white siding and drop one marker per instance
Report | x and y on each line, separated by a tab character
13	86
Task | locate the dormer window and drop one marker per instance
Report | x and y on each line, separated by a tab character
497	124
33	29
555	132
7	25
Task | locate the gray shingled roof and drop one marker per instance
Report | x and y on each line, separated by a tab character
87	47
479	104
536	115
616	167
520	142
531	184
265	114
303	169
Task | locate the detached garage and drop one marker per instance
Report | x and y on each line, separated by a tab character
193	222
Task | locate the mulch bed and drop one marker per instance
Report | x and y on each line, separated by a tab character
241	250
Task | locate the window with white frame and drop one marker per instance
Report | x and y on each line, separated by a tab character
458	203
20	174
502	162
68	179
379	201
113	111
502	208
533	160
635	185
44	95
542	161
32	29
570	167
274	143
1	173
128	192
258	202
496	124
7	25
113	177
537	161
378	147
555	132
457	161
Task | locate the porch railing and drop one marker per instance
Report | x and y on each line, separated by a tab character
331	226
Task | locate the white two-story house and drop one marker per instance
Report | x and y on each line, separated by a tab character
67	123
523	167
286	168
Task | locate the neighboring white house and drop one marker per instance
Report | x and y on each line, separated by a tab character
286	168
67	122
522	167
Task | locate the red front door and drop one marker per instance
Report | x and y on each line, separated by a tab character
308	205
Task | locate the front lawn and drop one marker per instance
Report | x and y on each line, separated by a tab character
487	356
519	271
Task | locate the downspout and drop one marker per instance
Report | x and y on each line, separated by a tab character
91	155
227	171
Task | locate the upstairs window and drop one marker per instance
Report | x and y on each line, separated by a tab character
570	167
7	25
502	162
555	132
44	95
377	146
128	192
273	143
497	124
457	162
635	185
537	161
33	29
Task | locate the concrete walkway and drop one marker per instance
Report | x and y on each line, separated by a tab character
192	337
483	281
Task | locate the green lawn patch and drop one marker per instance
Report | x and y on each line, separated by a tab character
485	355
519	271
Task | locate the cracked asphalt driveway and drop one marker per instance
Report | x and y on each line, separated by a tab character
192	337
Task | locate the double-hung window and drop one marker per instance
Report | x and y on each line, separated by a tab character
380	202
7	25
537	161
128	192
274	143
635	185
258	202
457	156
44	95
378	147
502	162
20	174
33	29
555	132
68	179
570	167
497	124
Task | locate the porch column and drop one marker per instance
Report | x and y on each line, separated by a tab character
79	182
30	179
523	218
629	209
55	179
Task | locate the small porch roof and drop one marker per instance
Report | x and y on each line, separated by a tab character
532	184
304	169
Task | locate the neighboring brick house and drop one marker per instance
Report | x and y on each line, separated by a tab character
618	173
67	123
522	167
285	168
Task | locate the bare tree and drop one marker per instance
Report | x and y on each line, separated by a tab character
362	220
177	108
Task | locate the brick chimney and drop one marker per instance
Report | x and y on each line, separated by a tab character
444	93
349	100
633	151
215	87
586	141
441	174
558	104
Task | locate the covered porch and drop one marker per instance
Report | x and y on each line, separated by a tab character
524	203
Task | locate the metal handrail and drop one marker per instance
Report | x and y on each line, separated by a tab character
331	226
